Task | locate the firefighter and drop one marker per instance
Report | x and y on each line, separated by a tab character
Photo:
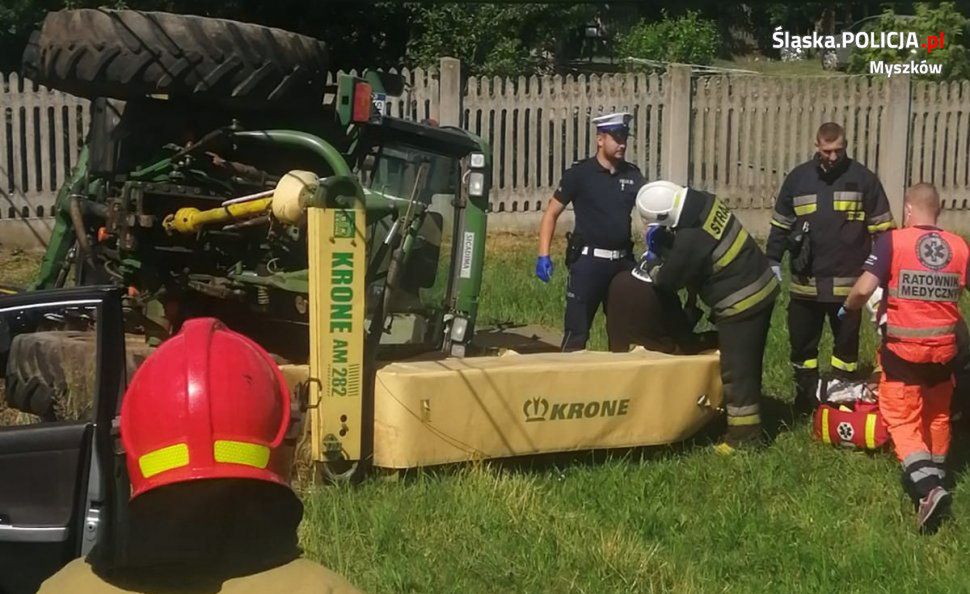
712	254
208	437
602	190
923	270
826	214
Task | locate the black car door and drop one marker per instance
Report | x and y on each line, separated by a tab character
62	364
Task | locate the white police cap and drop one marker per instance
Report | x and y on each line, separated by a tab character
612	121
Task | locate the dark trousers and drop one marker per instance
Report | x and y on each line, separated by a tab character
742	346
805	321
638	313
586	291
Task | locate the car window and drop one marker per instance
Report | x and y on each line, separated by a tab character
48	362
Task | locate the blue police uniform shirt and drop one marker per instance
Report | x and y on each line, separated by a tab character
602	201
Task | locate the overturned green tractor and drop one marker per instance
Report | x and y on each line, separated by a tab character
208	141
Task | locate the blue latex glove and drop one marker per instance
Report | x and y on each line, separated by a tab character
652	238
842	313
544	268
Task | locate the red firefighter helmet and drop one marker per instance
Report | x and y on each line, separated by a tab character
208	403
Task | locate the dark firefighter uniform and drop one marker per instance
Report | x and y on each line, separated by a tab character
712	253
842	210
600	245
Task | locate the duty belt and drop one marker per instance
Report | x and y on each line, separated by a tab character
605	254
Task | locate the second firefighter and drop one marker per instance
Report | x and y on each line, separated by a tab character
712	254
826	215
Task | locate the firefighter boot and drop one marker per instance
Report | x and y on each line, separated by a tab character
806	392
740	437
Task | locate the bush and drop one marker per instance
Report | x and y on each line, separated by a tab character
494	39
687	39
928	21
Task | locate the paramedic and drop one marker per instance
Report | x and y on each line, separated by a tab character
924	272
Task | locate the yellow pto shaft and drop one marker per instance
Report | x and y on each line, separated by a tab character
192	220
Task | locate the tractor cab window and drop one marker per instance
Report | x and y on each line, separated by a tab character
402	174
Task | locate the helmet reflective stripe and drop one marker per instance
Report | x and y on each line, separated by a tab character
157	462
240	452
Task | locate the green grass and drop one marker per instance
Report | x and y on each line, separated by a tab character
795	517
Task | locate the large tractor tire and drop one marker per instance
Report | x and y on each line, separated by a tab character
52	374
127	54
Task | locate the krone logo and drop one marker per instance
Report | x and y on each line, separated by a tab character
933	251
540	409
535	409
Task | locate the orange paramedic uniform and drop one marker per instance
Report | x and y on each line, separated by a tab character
925	271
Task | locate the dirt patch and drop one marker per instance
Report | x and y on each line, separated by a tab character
18	267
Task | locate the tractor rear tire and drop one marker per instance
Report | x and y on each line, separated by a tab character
52	374
128	54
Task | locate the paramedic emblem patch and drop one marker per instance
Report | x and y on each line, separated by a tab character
933	251
845	431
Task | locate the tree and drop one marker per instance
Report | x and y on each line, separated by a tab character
929	20
496	39
688	39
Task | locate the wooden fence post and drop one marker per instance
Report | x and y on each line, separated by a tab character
675	139
449	92
895	142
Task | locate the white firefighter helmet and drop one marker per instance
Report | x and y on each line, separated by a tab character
661	202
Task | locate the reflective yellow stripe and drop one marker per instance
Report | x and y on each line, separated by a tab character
174	456
800	289
881	227
732	252
844	365
847	205
7	291
809	364
826	438
806	209
753	300
780	225
855	215
745	420
871	431
240	452
841	291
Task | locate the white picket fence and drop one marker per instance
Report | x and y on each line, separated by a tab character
737	136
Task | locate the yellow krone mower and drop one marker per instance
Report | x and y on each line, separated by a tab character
439	408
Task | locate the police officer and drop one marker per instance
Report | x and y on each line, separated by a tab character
602	190
712	254
832	206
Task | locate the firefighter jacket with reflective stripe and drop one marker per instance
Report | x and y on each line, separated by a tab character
713	252
844	207
927	275
296	577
